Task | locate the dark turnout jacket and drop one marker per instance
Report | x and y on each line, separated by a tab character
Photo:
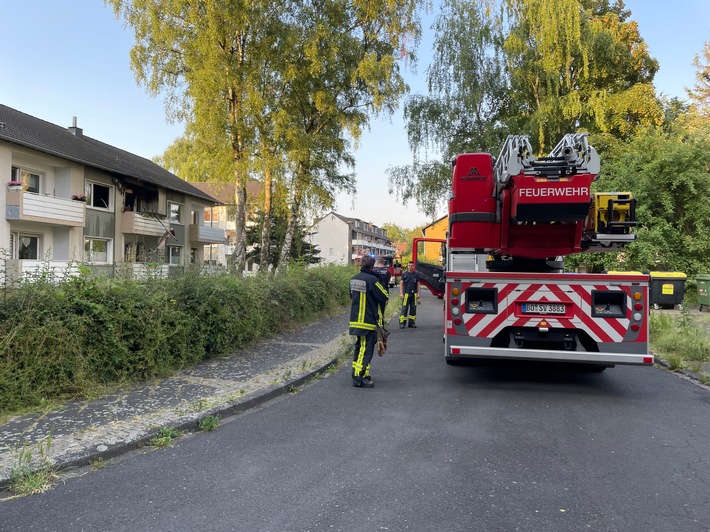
367	294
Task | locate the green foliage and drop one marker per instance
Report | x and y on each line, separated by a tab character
208	423
66	340
301	249
31	472
538	67
679	339
165	437
667	174
259	110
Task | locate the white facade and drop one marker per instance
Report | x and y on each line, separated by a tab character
59	212
343	240
332	236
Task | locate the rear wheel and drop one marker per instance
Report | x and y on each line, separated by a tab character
454	361
594	368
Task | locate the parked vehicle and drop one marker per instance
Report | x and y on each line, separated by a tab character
506	296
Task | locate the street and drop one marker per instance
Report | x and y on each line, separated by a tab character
430	447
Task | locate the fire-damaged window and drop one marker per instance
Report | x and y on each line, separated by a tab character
99	196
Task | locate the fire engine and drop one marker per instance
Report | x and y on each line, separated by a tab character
394	266
506	295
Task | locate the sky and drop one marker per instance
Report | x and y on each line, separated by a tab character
70	58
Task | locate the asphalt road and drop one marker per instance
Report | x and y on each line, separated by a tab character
430	448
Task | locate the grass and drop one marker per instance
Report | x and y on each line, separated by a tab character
165	437
682	339
32	473
208	423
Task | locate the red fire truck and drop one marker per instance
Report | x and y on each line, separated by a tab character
506	296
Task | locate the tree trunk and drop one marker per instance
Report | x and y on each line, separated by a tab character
292	222
266	227
239	258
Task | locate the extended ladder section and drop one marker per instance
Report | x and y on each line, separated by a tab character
536	207
572	155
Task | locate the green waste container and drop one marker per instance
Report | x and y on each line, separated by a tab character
703	282
667	289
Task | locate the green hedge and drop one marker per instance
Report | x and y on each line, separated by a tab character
68	340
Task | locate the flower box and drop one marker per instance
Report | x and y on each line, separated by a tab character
78	197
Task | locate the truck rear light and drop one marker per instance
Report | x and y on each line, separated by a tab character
455	311
457	321
637	296
638	316
455	291
454	301
635	327
638	306
648	360
455	351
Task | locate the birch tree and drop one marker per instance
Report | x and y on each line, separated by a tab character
212	60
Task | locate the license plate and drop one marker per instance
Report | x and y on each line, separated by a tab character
543	308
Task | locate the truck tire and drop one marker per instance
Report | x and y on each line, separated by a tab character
454	362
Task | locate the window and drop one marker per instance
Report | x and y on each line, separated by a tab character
174	255
97	250
193	255
99	196
29	247
175	213
209	218
31	181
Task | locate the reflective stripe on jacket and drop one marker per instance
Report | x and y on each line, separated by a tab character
367	294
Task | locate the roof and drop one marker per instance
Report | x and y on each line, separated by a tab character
432	224
351	221
224	192
24	130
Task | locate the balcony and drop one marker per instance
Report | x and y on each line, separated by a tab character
207	235
31	207
135	223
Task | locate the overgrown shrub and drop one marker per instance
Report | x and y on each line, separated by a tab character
64	340
679	336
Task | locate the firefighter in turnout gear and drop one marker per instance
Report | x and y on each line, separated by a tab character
409	291
368	298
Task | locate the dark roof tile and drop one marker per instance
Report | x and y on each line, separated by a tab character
25	130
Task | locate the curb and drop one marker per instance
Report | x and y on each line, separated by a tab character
187	423
683	373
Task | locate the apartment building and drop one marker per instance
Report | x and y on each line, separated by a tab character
224	215
344	240
70	198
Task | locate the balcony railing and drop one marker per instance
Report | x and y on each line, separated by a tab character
134	223
27	270
31	207
207	235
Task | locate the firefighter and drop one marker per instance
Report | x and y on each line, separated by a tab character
368	297
409	291
383	273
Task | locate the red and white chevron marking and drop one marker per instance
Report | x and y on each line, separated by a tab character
578	297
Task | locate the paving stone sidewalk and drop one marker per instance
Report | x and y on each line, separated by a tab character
84	431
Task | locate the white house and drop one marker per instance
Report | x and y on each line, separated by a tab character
342	240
